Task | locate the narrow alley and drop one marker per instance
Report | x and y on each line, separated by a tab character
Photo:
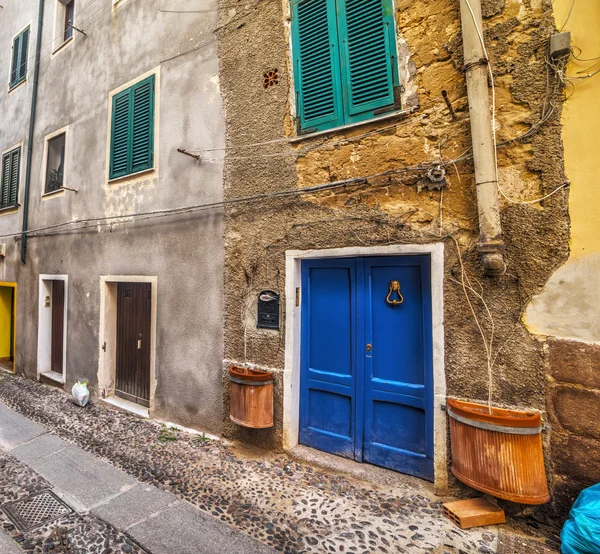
278	504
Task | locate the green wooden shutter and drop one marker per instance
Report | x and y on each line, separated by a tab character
119	144
316	65
132	133
16	55
369	59
5	180
18	70
22	72
14	177
10	178
142	143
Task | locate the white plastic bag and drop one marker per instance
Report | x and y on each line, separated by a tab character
81	394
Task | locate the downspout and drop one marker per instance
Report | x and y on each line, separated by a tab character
491	245
36	74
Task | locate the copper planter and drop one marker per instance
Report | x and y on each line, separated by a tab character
251	397
498	453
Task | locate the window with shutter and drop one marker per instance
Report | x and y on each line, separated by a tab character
9	187
132	130
20	51
345	61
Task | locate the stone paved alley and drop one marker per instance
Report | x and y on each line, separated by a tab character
285	505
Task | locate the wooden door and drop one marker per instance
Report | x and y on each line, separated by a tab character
328	359
58	326
133	342
398	376
366	361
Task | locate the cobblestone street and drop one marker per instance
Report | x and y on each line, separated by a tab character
70	533
289	506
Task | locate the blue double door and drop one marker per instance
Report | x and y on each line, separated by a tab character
366	361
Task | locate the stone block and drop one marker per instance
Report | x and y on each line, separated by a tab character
577	410
575	362
577	458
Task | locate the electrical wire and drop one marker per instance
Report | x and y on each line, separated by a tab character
224	203
568	17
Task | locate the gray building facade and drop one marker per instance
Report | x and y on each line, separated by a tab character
118	234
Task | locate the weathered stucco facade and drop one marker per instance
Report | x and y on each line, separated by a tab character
180	253
401	207
565	314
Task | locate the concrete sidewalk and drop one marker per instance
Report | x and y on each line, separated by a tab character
157	520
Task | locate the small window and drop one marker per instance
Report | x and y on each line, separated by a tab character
132	130
55	163
20	51
69	13
9	187
345	62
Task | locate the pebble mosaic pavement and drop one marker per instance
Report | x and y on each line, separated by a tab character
290	506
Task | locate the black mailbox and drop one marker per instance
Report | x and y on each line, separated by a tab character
268	310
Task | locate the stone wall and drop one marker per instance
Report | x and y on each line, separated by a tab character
574	408
401	208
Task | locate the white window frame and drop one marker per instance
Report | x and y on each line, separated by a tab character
150	174
58	42
61	191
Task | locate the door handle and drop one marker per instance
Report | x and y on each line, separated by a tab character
369	347
139	344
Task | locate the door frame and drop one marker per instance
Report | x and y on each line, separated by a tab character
13	286
291	375
107	358
44	353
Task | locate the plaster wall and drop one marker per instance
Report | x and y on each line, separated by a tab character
567	306
183	252
399	209
565	315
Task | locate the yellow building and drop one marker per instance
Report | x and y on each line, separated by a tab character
567	313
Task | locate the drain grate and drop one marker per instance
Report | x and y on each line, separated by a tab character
36	510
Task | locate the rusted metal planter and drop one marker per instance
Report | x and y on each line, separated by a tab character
498	453
251	397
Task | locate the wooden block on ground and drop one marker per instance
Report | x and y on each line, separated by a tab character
473	512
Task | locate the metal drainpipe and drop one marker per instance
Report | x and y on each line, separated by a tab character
491	245
36	74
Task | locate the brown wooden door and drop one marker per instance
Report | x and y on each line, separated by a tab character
133	342
58	326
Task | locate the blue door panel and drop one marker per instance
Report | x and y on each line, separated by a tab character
373	404
397	391
397	331
330	320
327	405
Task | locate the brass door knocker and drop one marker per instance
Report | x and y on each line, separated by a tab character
394	288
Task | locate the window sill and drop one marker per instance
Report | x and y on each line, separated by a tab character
9	209
63	45
14	87
132	176
53	193
350	126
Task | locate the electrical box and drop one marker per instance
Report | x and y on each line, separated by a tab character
560	44
268	310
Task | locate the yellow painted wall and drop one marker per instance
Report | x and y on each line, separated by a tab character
5	312
581	125
568	305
